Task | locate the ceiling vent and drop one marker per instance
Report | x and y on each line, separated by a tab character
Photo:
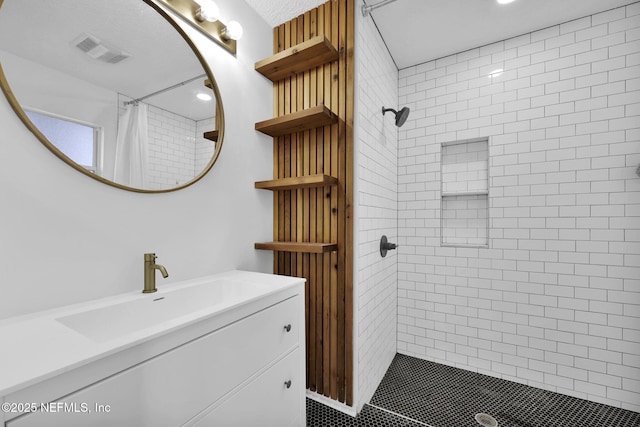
92	46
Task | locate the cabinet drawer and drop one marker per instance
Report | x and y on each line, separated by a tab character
266	401
173	387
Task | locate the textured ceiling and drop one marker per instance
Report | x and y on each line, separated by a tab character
276	12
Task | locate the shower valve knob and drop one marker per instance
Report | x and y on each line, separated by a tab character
287	327
386	246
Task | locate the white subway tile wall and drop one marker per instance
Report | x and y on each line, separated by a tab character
554	301
177	150
376	199
171	149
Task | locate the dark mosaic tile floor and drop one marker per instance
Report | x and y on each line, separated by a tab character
319	415
427	393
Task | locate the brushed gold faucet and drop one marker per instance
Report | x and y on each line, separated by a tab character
150	268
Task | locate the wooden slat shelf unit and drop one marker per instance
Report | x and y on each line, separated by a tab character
298	247
293	183
299	121
301	57
211	135
305	145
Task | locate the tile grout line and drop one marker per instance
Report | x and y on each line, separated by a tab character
398	415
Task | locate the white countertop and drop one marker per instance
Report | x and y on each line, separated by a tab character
37	346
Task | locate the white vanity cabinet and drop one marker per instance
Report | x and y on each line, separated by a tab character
247	371
272	400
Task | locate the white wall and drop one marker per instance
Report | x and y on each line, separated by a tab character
376	204
554	302
66	238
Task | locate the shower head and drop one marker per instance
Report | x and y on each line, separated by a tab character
401	116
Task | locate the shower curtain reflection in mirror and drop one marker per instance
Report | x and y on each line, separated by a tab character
132	147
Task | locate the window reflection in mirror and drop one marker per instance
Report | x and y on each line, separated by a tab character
78	141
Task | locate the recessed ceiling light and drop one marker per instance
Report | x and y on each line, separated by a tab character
204	96
505	1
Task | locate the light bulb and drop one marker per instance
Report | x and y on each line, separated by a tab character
208	11
233	31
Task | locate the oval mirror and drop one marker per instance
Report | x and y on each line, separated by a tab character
114	88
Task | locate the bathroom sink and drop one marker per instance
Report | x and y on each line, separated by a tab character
150	310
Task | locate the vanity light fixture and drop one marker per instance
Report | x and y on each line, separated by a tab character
208	11
233	31
203	16
505	1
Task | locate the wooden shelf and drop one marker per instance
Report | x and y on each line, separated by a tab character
299	247
301	57
297	122
211	135
293	183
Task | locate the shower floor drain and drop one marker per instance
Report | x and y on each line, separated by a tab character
486	420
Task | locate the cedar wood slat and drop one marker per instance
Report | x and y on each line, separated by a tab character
311	193
330	373
349	185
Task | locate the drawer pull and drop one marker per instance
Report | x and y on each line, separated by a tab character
287	384
287	327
